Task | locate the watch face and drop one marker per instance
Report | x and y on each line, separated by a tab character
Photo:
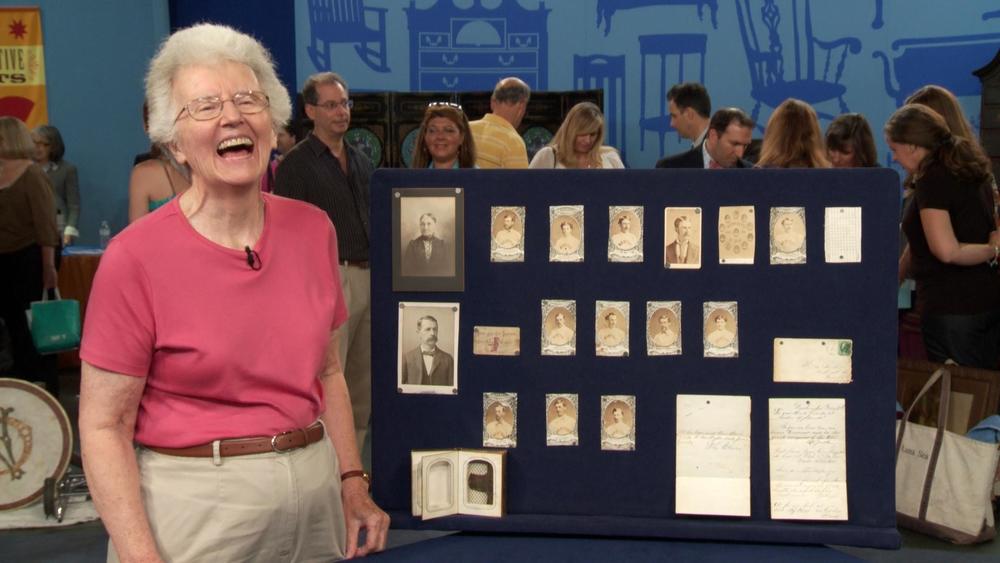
535	138
368	143
406	148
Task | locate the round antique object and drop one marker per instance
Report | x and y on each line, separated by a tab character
35	442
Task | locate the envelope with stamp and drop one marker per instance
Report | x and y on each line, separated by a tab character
812	360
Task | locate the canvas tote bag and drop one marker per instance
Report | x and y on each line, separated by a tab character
55	324
943	479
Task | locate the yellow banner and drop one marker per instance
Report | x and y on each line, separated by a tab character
22	66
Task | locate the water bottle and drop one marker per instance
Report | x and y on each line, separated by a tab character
105	234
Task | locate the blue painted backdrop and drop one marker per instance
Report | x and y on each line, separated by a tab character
856	55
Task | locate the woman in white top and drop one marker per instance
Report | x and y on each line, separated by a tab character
579	142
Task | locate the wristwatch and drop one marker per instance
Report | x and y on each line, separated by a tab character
358	473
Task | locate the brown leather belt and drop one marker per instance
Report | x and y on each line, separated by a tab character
286	441
363	264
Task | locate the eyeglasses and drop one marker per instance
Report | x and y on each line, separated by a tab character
331	105
210	107
445	104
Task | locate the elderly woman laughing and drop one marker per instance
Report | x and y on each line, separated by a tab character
214	417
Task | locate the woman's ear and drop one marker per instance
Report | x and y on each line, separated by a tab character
176	151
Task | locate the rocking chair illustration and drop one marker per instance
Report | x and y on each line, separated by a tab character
344	21
767	65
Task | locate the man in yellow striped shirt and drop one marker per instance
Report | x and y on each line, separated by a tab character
498	145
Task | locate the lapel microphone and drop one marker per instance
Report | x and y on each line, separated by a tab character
253	259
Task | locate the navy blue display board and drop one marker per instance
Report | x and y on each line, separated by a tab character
582	489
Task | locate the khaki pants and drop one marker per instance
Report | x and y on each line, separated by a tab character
269	507
355	345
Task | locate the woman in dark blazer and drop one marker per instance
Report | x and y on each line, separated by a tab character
49	151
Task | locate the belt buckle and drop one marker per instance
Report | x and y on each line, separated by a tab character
274	440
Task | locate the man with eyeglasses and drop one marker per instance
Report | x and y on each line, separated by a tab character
498	144
331	174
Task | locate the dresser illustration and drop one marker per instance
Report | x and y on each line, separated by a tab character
461	49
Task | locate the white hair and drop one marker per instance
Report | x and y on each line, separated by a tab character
206	44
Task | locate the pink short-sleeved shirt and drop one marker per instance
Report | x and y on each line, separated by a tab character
227	351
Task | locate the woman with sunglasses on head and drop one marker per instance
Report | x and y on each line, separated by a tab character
579	142
444	140
235	400
953	242
849	142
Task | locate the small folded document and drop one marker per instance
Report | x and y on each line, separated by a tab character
713	455
808	459
812	360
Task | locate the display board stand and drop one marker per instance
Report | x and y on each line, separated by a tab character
586	490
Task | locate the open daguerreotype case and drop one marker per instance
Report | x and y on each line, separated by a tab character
469	482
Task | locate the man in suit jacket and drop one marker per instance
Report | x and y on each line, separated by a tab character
427	254
427	364
729	135
690	108
683	250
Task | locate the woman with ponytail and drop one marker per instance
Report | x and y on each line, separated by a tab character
953	245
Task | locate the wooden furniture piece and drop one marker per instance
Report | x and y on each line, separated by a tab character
989	117
76	275
975	393
473	48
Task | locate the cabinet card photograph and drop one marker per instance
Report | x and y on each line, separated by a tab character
663	328
566	233
496	340
500	420
507	231
611	328
428	348
618	422
788	235
720	329
625	233
558	327
682	237
737	234
561	413
428	228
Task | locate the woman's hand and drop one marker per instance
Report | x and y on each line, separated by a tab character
361	512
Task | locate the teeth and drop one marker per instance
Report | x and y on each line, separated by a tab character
235	142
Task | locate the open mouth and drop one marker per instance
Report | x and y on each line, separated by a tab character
235	147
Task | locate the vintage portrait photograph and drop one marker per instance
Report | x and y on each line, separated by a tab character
663	328
507	231
720	329
558	327
737	234
625	233
428	348
682	238
428	239
611	328
788	235
618	422
566	233
561	412
500	420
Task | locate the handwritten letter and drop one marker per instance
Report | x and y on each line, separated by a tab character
808	459
713	455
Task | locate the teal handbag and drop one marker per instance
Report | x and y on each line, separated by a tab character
55	324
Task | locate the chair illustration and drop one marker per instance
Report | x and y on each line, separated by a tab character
345	21
607	73
819	65
660	47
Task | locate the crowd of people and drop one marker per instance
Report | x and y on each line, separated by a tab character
230	178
